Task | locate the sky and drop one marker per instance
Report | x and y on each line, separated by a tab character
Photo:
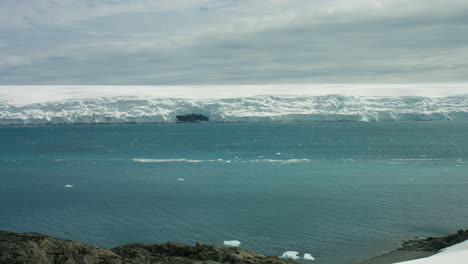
199	42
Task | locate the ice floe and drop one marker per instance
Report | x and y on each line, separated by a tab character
232	243
308	256
291	255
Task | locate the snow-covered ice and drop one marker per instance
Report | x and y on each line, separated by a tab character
141	104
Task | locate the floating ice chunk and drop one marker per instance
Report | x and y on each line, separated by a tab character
232	243
290	255
170	160
308	256
181	179
278	153
68	186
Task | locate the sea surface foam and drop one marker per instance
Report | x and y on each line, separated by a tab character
261	108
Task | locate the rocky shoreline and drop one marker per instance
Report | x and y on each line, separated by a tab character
418	248
28	248
36	248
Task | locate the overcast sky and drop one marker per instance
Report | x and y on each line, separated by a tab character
171	42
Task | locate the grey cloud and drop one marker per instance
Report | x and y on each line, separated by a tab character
196	44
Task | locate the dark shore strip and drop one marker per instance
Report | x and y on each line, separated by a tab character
418	248
35	248
27	248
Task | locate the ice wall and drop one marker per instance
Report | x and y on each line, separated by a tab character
128	109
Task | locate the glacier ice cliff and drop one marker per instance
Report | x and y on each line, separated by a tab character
247	109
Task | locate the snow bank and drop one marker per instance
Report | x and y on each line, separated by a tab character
456	254
246	109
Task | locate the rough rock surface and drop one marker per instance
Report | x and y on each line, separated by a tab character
29	248
418	248
435	243
192	118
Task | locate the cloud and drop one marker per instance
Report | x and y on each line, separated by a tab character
227	41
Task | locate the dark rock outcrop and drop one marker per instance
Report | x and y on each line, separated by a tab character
435	243
35	248
418	248
192	118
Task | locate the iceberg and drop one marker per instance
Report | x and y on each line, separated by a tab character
308	256
290	255
232	243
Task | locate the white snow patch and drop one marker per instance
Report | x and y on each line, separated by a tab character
232	243
291	255
308	256
456	254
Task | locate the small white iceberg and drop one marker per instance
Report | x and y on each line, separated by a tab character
232	243
290	255
68	186
181	179
308	256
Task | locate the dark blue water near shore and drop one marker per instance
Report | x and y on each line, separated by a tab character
340	191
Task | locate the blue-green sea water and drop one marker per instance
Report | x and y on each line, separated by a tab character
340	191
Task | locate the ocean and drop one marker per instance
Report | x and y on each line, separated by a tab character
341	191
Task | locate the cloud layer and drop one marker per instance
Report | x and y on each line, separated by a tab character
232	41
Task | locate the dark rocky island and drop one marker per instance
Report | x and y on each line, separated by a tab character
192	118
35	248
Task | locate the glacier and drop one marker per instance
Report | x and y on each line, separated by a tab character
258	108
